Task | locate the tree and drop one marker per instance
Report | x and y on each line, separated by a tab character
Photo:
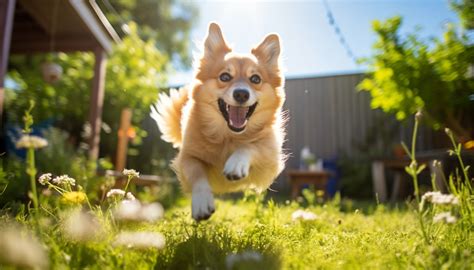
168	22
409	74
135	71
465	9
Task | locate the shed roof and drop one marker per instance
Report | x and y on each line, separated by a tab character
73	25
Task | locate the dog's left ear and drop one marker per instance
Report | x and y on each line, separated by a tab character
268	51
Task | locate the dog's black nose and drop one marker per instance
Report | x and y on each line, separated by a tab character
241	95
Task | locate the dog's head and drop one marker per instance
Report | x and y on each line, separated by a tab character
244	90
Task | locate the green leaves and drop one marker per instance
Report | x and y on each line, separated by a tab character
409	74
136	70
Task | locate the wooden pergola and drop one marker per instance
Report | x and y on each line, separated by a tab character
28	27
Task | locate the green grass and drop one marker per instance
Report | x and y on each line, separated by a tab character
382	239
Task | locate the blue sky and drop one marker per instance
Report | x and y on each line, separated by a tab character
310	44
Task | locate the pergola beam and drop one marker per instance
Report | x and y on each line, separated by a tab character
7	9
73	44
97	102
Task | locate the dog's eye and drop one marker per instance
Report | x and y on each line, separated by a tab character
225	77
255	79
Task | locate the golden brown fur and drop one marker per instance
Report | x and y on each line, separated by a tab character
191	119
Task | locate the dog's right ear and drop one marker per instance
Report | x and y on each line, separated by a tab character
215	45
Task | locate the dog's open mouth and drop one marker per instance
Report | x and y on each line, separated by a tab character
236	116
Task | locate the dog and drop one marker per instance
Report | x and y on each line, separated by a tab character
228	124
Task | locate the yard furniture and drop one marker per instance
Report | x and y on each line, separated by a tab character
398	164
298	178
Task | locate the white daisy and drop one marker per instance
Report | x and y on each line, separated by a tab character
131	173
44	178
140	240
31	141
81	226
303	215
444	217
63	180
437	197
115	192
22	250
133	210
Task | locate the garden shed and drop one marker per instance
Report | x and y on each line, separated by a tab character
29	27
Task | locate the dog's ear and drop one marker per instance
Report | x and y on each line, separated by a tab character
215	45
268	51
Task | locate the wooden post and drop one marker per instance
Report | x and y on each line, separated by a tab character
97	101
122	144
7	10
378	178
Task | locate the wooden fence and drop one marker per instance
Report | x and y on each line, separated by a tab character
332	118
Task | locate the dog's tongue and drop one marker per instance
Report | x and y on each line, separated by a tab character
237	116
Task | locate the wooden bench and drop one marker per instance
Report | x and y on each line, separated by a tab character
298	178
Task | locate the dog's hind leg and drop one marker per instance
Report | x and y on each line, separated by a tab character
202	199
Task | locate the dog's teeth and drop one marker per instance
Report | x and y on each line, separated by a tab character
227	107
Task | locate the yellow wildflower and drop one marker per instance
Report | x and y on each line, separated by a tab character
74	197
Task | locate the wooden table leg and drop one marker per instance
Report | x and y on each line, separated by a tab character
294	190
378	178
396	186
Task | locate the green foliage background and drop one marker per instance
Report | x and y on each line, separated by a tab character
135	71
411	74
167	22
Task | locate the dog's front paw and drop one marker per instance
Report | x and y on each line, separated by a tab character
237	166
202	201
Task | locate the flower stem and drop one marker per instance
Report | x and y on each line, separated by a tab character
413	158
31	171
414	174
457	151
128	182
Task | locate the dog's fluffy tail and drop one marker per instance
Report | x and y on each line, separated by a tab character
167	113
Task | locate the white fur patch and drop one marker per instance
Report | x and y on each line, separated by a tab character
229	94
202	201
238	165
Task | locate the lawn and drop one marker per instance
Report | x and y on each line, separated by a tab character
248	233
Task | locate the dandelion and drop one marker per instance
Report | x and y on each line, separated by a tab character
247	256
140	240
31	141
21	250
44	178
74	197
131	173
128	210
303	215
151	212
64	180
133	210
437	197
81	226
115	193
444	217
